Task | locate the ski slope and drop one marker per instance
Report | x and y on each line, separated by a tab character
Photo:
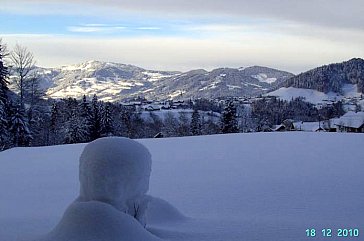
261	186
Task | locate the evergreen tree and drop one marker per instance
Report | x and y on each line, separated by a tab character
183	125
4	133
229	123
170	124
95	120
74	131
40	128
36	119
21	135
209	126
138	125
107	121
70	108
85	117
154	124
55	126
126	122
195	123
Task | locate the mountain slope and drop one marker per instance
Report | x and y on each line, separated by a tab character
222	82
113	81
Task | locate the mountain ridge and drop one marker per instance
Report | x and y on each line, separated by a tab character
116	81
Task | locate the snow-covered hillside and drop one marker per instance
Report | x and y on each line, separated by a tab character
309	95
243	187
314	96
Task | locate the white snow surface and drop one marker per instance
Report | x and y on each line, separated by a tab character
262	77
312	96
238	187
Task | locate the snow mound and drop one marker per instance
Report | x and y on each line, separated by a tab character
160	212
114	178
96	221
115	171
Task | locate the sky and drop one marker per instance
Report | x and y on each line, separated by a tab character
182	35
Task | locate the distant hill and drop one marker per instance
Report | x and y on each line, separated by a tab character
329	83
331	77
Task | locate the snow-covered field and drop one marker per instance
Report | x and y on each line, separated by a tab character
262	186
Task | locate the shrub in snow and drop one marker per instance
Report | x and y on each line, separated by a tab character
116	171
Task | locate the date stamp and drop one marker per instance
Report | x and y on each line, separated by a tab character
328	232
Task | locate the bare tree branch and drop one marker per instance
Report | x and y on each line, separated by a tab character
4	49
23	63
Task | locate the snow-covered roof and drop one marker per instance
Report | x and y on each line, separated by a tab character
309	126
277	127
350	119
152	107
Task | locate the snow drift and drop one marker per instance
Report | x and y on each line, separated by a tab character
97	221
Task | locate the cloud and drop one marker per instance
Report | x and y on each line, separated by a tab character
329	13
293	54
95	28
148	28
105	28
284	34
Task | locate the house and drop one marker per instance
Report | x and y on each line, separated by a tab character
350	122
166	107
159	135
279	128
312	126
151	107
266	128
288	124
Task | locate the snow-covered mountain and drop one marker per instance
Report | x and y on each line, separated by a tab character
110	81
222	82
113	81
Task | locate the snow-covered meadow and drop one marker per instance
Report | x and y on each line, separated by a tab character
261	186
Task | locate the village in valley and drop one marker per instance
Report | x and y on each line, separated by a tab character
352	119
